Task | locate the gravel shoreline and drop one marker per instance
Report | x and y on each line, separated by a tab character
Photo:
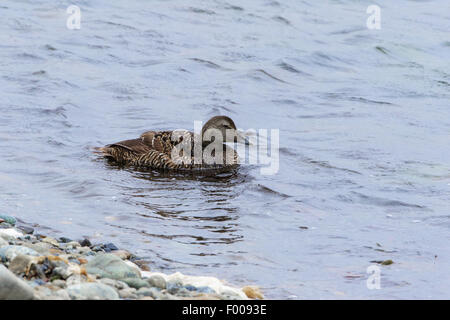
37	267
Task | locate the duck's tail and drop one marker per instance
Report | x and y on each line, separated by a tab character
104	151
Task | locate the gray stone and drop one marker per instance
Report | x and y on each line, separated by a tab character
41	247
128	293
122	254
10	252
92	291
10	234
83	250
110	266
13	288
20	264
174	285
43	293
52	241
73	245
26	229
114	283
157	281
62	271
136	282
150	292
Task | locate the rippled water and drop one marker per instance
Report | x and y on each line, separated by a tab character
364	125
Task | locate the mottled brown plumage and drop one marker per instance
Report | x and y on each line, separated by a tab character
162	149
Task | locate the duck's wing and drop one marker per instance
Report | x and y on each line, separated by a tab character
126	150
165	141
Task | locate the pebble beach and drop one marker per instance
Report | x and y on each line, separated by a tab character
37	267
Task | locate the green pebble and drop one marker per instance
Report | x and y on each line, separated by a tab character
11	220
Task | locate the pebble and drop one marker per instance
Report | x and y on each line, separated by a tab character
8	219
26	230
41	247
63	272
253	292
10	234
20	264
13	288
142	264
150	292
157	282
82	261
122	254
111	247
65	240
52	241
136	282
72	245
110	266
11	251
128	293
114	283
134	266
44	293
92	291
84	250
174	286
85	243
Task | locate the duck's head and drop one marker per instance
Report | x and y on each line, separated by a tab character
226	127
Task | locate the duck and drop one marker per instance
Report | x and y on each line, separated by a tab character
163	150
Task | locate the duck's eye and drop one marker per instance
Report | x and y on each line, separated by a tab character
226	126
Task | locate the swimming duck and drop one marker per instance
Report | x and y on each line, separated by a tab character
163	150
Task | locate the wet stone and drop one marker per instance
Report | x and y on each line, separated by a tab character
64	240
110	247
26	230
143	264
85	243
